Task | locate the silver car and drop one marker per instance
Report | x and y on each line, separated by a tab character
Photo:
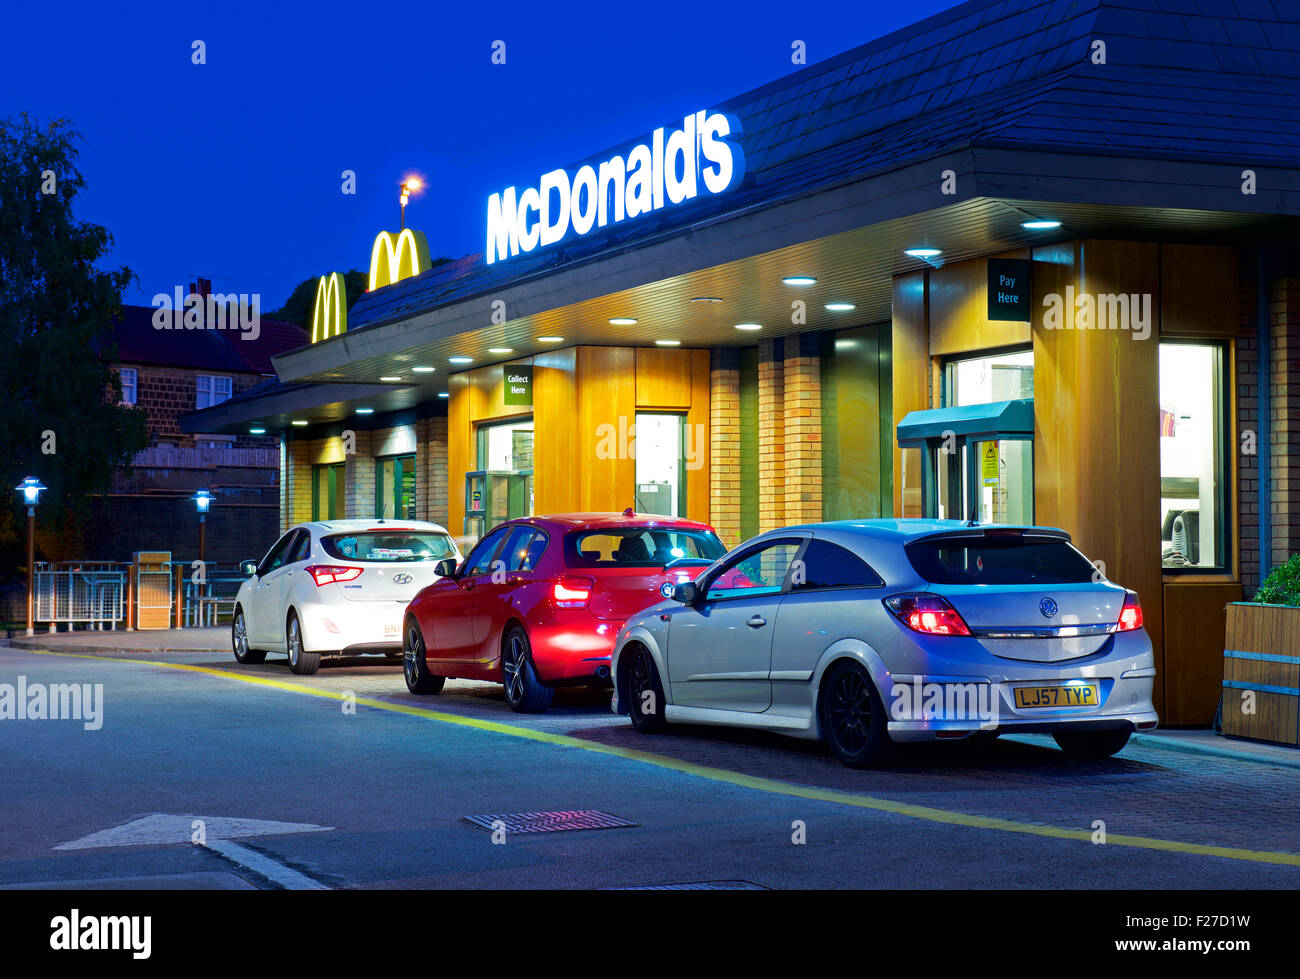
871	632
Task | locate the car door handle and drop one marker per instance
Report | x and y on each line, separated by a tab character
468	585
756	622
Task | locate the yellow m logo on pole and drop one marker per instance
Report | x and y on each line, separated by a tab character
329	317
394	258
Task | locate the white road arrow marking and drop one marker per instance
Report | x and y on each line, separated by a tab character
218	833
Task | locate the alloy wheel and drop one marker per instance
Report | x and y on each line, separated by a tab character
295	643
414	648
512	668
241	637
850	710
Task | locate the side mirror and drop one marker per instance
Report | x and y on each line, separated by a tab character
446	568
686	593
249	568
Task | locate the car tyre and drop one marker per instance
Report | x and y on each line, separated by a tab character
239	640
853	720
644	688
1091	744
415	663
525	693
301	662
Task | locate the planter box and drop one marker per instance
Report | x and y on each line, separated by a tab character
1261	654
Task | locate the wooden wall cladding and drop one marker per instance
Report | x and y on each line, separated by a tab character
910	354
1195	615
1096	439
1198	291
1262	654
605	473
958	318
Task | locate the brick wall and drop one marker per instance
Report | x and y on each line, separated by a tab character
801	372
771	436
1248	425
166	393
724	444
1284	326
431	462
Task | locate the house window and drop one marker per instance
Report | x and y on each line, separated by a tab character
660	464
127	376
395	487
210	390
1193	456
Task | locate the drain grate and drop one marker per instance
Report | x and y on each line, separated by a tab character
548	822
702	885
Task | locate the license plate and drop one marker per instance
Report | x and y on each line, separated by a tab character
390	629
1077	695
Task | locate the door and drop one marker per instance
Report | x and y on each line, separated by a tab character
720	650
494	593
454	604
272	584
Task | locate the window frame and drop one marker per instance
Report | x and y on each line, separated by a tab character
705	581
230	383
134	385
1223	420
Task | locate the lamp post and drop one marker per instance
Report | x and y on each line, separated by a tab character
202	500
409	186
31	488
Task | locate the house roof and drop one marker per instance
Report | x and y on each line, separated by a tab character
1181	79
139	342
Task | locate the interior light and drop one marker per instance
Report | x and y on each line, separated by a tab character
840	307
550	339
299	423
501	350
923	252
1039	225
749	326
460	360
622	321
668	343
799	280
422	370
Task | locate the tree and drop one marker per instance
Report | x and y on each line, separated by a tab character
61	420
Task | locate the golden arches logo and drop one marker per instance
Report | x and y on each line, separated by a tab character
329	317
395	258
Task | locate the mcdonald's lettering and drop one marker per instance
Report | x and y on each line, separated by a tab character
329	317
394	258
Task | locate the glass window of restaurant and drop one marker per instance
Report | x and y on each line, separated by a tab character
395	487
661	463
327	496
1004	470
1193	456
505	458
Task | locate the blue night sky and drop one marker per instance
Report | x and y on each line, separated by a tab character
232	169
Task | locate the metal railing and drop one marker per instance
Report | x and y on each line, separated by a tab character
211	602
90	593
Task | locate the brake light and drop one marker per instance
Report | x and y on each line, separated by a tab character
928	614
1130	616
323	574
572	592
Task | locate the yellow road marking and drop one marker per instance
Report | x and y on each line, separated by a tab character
726	775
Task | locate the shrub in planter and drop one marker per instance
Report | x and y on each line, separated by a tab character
1282	586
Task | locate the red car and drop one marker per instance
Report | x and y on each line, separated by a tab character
538	601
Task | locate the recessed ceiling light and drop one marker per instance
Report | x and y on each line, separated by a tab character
706	299
840	307
550	339
299	423
257	431
460	360
390	378
622	321
799	280
422	370
923	252
668	343
501	350
749	326
365	411
442	394
1039	225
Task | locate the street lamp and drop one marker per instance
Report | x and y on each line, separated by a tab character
409	186
31	488
202	500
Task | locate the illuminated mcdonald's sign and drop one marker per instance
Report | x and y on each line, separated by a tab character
329	317
394	258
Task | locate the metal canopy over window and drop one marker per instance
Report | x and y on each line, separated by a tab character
968	470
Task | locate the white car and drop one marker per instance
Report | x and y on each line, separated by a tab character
337	587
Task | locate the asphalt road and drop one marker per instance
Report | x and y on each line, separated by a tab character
385	781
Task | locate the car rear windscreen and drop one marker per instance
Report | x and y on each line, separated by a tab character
378	545
640	547
998	560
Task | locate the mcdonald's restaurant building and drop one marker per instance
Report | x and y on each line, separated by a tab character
964	270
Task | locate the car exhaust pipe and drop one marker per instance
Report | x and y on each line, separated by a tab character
602	672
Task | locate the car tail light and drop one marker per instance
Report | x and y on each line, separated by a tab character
572	592
1130	616
323	574
928	614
